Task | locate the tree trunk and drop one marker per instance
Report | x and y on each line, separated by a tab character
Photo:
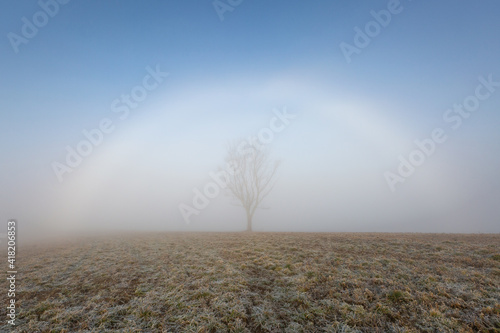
249	221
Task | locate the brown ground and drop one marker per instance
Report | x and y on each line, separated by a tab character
261	282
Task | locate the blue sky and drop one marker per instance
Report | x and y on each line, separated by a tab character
224	80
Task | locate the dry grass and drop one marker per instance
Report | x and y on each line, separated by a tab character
269	282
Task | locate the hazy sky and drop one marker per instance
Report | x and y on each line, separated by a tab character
363	80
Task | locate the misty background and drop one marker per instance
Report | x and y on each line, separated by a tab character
224	80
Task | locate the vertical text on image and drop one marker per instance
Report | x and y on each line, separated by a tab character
11	272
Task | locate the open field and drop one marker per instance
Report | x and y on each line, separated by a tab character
261	282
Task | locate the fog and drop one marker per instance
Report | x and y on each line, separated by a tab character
376	144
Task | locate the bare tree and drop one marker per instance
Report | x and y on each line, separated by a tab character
253	176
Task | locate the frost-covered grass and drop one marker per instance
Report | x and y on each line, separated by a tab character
261	282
